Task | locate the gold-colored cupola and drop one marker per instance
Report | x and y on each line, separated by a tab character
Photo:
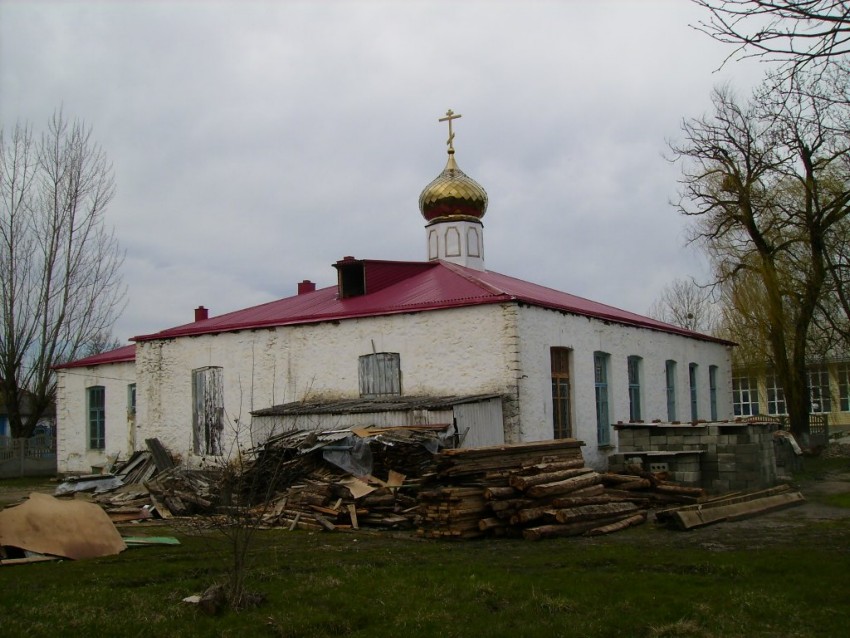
453	205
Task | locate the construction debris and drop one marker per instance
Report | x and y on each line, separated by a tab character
405	478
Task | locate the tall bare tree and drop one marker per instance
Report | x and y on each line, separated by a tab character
754	178
685	303
795	31
60	279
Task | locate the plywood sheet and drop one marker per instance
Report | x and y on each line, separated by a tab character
69	528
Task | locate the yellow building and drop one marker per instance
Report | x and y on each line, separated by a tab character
756	390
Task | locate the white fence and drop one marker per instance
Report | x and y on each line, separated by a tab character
27	457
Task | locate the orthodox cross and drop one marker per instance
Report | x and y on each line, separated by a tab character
450	115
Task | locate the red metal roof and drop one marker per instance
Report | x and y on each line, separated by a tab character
394	287
119	355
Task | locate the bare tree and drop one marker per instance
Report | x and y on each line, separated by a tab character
686	304
753	179
60	277
795	31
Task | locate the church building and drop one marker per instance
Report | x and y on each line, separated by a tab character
443	340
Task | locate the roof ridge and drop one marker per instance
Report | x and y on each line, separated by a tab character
469	276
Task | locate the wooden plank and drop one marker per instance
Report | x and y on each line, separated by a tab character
321	520
524	482
593	512
565	486
160	455
352	512
700	517
629	521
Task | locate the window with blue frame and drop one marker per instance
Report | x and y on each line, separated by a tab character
603	419
712	391
634	365
692	376
670	375
97	417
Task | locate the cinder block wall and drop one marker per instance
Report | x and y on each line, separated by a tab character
735	456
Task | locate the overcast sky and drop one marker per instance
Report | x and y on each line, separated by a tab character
256	143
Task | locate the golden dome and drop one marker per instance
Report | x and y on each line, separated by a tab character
453	195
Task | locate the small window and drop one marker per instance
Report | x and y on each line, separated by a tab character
452	242
692	377
97	417
712	391
634	364
775	395
603	419
843	372
745	401
380	374
131	399
561	409
670	375
819	395
207	410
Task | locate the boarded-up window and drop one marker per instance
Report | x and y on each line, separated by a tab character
207	410
380	374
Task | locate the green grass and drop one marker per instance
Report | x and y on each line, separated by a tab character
816	468
639	583
28	483
838	500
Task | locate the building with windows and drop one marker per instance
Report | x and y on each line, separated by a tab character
437	341
757	391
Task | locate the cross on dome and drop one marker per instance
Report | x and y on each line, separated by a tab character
450	115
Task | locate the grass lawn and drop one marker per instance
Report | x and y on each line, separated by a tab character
754	579
630	584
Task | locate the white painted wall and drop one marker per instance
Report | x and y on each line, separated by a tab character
443	352
502	349
540	329
72	436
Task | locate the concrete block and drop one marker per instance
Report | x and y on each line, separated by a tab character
692	478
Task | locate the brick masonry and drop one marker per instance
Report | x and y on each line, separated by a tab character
717	456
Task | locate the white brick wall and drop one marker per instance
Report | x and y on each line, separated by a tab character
540	330
480	349
72	436
443	352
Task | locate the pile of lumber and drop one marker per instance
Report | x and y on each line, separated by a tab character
537	490
329	499
179	491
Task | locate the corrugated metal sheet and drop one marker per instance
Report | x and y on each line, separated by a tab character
266	425
479	419
370	405
480	423
119	355
413	287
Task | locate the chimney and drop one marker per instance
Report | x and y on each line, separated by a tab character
306	286
201	313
